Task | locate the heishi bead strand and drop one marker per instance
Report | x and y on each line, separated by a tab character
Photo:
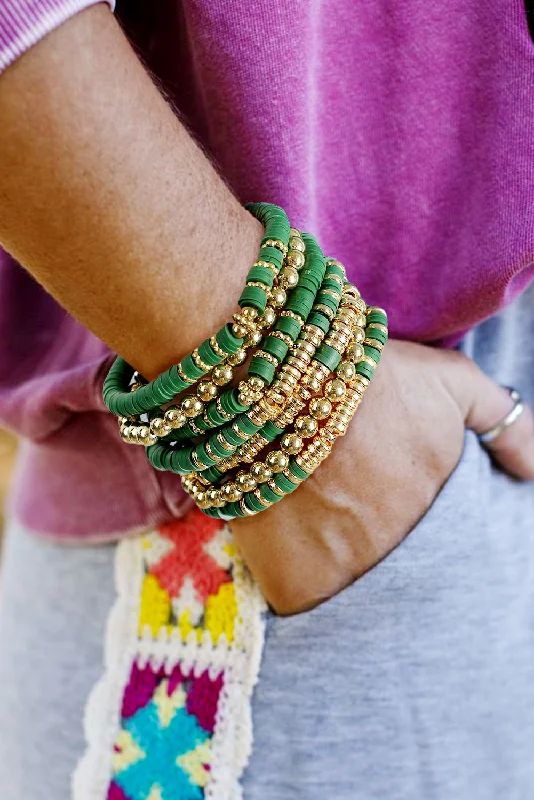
273	488
305	426
253	301
237	424
285	396
250	390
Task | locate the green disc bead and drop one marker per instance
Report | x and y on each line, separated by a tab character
328	356
208	354
309	283
255	297
261	274
253	503
332	269
276	347
214	513
217	447
364	369
227	341
153	452
320	320
297	471
272	254
327	300
203	455
270	431
246	425
284	483
376	333
214	415
190	369
372	352
234	509
230	403
262	369
289	326
332	285
268	494
212	474
175	381
231	436
376	316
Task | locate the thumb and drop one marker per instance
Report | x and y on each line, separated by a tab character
484	403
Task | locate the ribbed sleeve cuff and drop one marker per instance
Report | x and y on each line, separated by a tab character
24	22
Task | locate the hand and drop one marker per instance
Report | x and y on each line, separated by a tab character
381	478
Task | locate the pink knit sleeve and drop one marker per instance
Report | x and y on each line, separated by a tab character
24	22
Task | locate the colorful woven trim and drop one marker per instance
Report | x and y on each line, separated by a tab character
170	719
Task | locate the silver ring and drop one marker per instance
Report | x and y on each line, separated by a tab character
509	419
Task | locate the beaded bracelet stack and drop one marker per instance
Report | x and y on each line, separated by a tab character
315	346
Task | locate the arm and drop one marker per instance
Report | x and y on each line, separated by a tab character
110	204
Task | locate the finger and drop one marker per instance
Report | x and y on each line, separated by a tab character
485	403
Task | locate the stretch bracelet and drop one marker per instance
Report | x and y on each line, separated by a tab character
226	342
283	470
242	445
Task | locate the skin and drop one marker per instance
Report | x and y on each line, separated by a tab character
109	203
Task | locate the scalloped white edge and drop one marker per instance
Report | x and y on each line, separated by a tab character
232	739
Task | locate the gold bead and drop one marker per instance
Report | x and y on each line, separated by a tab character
159	427
306	426
230	492
134	435
253	339
358	335
360	320
239	330
207	391
278	297
289	277
256	383
294	232
335	390
378	310
261	472
222	375
346	371
374	343
214	497
202	501
245	482
292	443
277	460
238	357
355	352
269	317
295	259
250	313
192	406
351	290
296	243
174	417
378	327
320	407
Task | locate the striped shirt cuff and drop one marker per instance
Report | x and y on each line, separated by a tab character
24	22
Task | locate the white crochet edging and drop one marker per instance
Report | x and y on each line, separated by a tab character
103	710
240	660
232	743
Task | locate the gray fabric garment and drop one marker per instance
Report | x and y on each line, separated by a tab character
416	683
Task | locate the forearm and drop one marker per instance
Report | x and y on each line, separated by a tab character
108	202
